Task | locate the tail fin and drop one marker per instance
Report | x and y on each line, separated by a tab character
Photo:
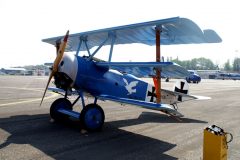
181	86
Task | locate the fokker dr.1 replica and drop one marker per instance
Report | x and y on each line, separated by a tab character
119	81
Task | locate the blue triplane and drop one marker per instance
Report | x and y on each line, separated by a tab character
119	81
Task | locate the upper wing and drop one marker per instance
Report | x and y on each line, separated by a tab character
147	69
173	31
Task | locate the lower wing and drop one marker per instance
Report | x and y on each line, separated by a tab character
149	105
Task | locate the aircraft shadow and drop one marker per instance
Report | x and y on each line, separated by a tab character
64	141
151	117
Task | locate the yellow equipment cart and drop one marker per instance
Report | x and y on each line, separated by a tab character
215	143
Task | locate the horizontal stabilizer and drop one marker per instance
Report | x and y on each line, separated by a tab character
149	105
201	97
147	69
184	97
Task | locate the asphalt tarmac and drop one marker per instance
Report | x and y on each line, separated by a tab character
128	133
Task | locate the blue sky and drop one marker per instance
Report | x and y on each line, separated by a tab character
24	23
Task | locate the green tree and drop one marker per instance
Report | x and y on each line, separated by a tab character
202	64
227	66
236	64
196	64
177	61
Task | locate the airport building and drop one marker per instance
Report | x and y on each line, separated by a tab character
14	71
24	72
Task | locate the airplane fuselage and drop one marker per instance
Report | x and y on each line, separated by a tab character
97	81
100	80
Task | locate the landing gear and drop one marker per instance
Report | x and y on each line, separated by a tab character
92	117
175	106
61	103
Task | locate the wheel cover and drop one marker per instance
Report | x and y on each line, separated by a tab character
62	104
58	104
93	118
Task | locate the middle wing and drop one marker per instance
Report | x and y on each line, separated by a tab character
147	69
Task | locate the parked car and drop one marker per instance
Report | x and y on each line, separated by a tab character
193	77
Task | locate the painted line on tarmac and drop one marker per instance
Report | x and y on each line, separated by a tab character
29	89
53	95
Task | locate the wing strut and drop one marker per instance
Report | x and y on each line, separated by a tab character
157	80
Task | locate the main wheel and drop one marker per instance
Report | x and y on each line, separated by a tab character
92	117
61	103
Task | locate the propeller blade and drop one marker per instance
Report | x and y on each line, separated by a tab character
56	62
49	79
60	52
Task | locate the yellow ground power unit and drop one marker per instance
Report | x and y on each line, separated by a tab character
215	144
